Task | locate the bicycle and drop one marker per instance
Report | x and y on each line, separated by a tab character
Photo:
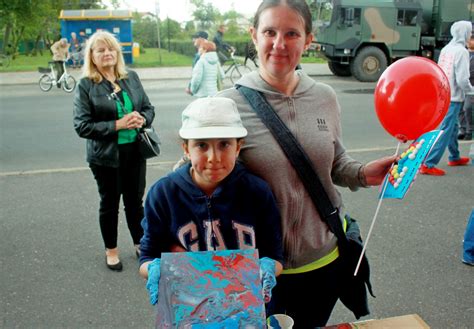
251	54
236	69
49	79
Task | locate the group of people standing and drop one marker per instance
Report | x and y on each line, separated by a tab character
454	60
231	192
457	62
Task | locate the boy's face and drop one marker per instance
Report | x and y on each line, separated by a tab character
212	160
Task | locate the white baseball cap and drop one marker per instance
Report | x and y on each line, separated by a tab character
211	117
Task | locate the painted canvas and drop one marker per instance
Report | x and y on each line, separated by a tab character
210	290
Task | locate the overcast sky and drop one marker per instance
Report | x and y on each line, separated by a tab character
180	10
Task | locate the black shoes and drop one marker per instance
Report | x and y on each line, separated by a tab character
114	267
118	266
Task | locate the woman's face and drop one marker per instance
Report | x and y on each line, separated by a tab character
103	55
280	40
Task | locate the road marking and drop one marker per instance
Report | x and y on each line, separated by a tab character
74	169
163	163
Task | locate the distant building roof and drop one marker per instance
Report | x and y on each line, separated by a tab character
95	14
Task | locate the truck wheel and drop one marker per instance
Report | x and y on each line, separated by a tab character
341	70
369	64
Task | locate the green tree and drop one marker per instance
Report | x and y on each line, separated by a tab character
205	14
145	30
170	28
231	20
22	20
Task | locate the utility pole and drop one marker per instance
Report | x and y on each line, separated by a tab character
157	13
168	25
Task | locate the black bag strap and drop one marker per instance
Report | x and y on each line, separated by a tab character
298	158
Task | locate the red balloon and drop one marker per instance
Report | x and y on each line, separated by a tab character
412	97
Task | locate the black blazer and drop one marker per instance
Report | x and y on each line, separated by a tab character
95	113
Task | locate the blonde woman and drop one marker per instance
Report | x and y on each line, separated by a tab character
206	71
109	106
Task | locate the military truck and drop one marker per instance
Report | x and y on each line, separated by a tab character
362	37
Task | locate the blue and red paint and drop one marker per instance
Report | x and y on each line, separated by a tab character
210	289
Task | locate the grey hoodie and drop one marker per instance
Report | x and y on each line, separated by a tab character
454	60
313	116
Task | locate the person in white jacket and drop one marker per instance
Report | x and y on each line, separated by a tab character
206	71
454	60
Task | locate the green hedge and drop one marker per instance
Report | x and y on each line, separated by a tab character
187	48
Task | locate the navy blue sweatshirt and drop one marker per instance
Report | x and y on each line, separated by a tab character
240	214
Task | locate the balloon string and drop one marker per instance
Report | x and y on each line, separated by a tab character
375	217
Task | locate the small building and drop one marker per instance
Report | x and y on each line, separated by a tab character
118	22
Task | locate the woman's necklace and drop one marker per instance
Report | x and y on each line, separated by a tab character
113	80
116	86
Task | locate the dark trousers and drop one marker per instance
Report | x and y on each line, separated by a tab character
465	116
59	69
309	297
127	180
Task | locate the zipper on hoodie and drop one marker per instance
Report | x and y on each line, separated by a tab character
209	216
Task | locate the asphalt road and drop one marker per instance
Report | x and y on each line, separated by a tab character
53	273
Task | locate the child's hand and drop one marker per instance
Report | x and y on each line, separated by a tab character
153	280
267	275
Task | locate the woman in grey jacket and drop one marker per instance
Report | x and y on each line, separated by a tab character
109	106
281	32
206	72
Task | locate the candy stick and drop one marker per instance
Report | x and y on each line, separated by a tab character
375	217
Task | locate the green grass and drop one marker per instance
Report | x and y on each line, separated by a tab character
313	59
27	63
150	58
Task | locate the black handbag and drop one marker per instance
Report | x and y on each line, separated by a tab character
148	142
354	291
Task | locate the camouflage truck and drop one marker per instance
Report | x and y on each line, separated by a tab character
362	37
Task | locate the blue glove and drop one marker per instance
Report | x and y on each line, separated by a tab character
153	279
267	275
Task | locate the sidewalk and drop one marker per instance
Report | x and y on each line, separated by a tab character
151	73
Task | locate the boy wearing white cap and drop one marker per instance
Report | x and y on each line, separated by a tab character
212	203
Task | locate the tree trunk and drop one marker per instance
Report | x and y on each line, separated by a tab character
6	37
37	48
17	37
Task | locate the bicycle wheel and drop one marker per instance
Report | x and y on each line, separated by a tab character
69	84
45	82
238	71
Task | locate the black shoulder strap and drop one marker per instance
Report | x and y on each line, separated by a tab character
298	158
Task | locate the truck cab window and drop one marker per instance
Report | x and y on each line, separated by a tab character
342	16
407	17
350	16
357	12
